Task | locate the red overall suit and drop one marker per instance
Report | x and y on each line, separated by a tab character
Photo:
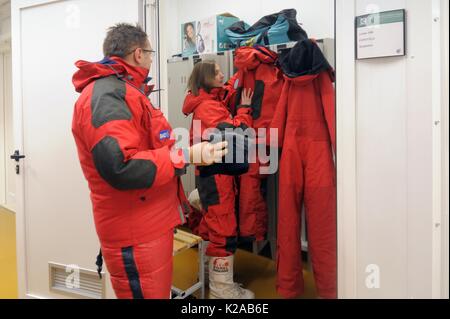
305	118
217	192
256	70
124	146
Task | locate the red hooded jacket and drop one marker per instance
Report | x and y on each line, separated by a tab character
316	78
124	146
258	70
212	111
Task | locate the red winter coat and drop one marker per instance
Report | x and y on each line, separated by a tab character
305	67
212	111
258	71
324	96
124	146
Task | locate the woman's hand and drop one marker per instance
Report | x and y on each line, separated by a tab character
205	154
247	96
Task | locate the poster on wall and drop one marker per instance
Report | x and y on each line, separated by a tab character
380	35
188	38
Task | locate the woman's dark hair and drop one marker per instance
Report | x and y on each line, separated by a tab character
202	77
122	38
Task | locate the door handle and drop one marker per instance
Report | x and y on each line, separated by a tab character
16	156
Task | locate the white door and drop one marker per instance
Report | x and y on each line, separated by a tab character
10	194
7	172
54	217
2	133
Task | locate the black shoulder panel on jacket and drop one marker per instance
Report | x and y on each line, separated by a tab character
108	101
258	97
134	174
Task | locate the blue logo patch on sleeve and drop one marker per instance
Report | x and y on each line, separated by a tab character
164	135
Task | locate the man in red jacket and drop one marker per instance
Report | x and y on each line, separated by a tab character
127	154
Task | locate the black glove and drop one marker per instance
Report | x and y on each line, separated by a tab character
236	162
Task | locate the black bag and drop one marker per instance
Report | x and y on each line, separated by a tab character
275	28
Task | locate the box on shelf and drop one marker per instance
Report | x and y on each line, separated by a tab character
209	33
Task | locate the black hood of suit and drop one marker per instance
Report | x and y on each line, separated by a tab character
305	58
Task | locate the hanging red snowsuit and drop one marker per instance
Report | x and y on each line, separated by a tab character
217	192
256	70
305	118
124	146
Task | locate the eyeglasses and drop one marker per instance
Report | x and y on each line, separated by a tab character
145	50
149	51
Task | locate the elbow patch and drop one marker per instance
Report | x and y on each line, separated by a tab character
132	175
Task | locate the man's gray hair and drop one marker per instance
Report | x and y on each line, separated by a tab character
122	38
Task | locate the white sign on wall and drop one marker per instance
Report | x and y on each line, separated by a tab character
381	35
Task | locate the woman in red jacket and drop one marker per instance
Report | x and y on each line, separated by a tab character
207	101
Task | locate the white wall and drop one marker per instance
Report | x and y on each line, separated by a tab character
346	149
397	159
445	149
316	17
7	185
